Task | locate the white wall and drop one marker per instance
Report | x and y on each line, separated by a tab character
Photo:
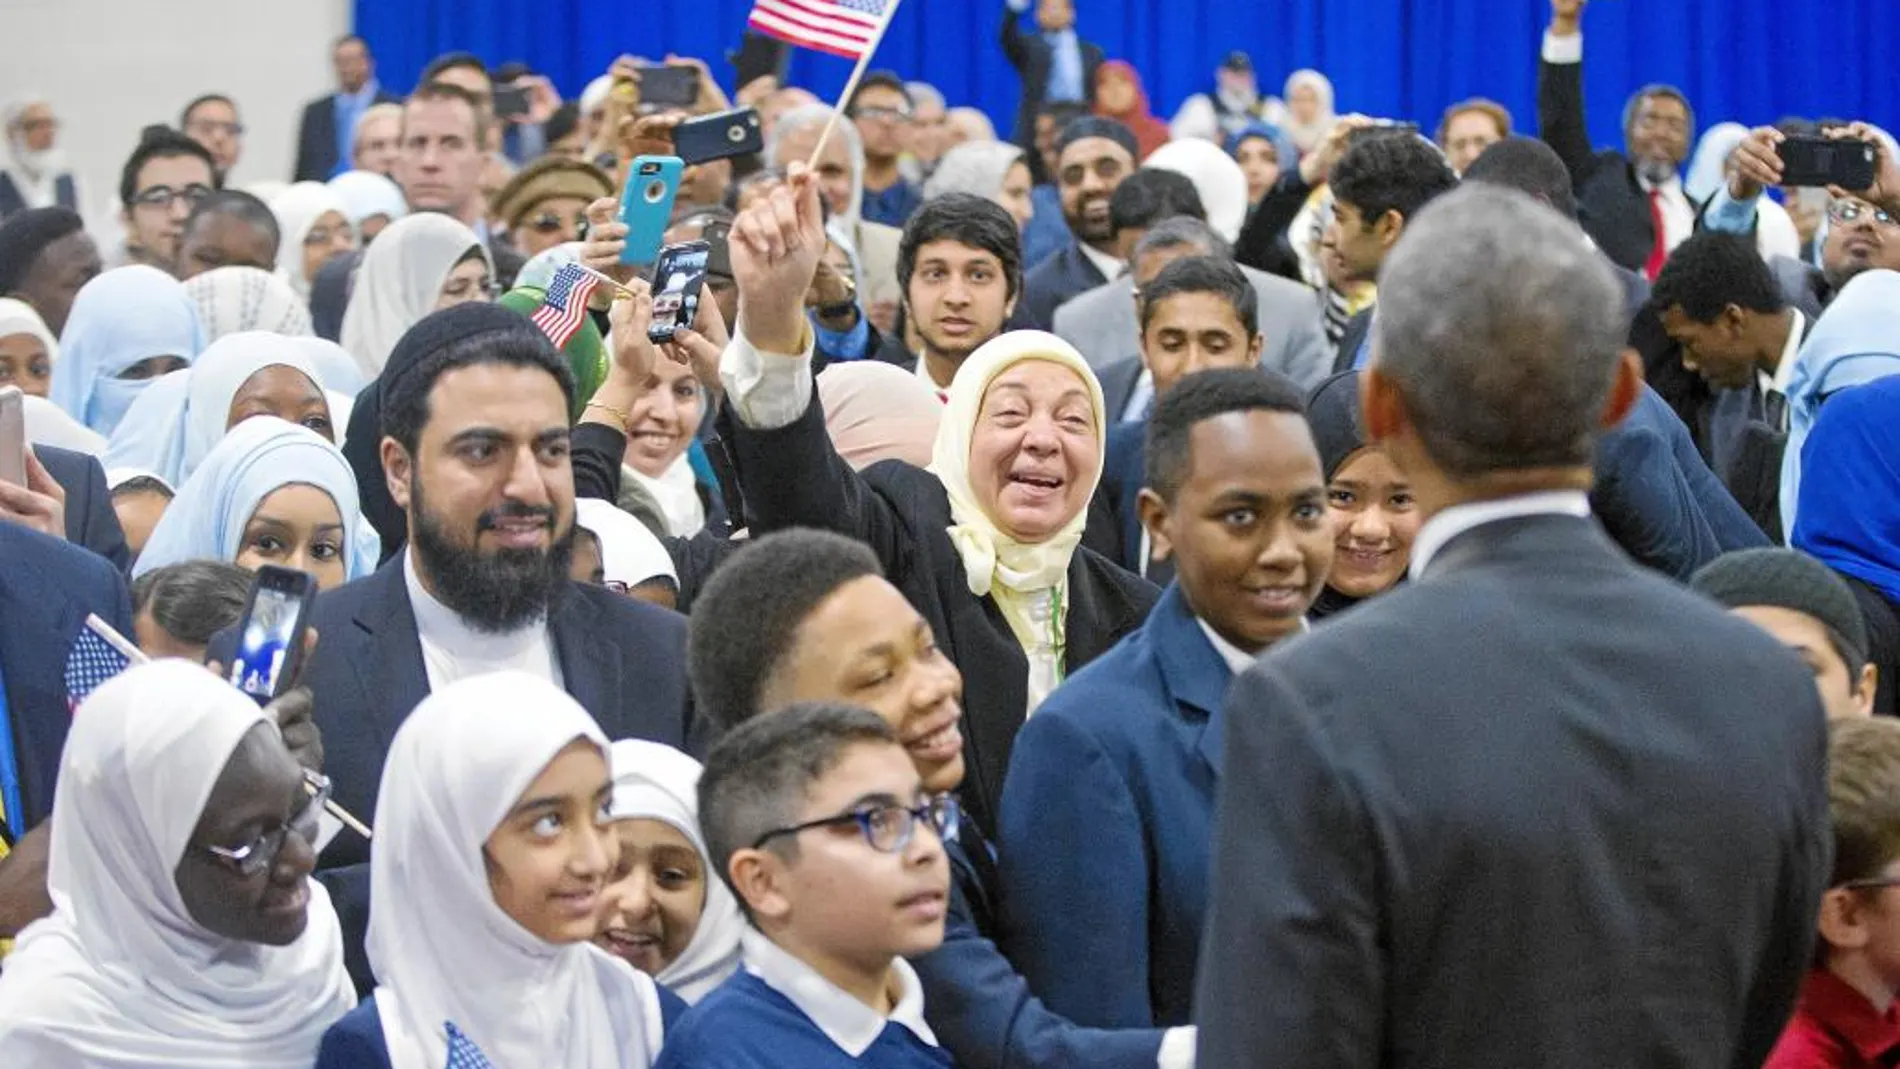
112	67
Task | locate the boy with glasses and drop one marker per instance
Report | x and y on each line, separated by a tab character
820	824
1846	1017
165	178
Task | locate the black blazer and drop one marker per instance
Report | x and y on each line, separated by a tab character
1357	328
316	137
794	478
1034	60
1611	205
90	519
1069	273
1591	754
47	587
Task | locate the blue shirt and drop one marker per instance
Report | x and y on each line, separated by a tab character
746	1024
1065	67
349	108
891	206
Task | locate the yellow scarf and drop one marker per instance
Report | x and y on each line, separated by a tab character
1028	581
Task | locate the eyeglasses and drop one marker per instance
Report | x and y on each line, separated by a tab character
1871	883
889	115
212	126
551	222
888	828
1848	211
322	235
260	853
165	196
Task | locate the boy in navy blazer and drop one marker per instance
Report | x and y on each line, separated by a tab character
1109	803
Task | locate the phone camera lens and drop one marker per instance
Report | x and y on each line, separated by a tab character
735	134
655	191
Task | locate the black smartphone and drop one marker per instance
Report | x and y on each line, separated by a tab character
758	56
1825	161
719	136
677	277
669	87
271	635
511	101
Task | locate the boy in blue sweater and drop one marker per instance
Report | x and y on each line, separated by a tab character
822	827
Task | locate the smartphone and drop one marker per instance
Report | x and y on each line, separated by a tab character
669	87
1825	161
758	56
646	206
12	436
677	277
271	635
511	101
720	136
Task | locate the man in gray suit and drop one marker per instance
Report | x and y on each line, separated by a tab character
1101	323
1538	806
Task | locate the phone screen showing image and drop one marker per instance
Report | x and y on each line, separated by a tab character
677	279
264	644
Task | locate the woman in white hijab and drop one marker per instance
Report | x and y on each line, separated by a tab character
419	265
186	930
127	328
988	169
313	224
632	560
231	300
28	350
669	914
492	850
370	200
1216	177
1309	109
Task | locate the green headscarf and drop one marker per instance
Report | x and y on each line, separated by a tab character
586	351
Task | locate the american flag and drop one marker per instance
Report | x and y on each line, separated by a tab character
845	28
91	662
565	307
463	1053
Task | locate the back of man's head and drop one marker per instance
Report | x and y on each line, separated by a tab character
1213	275
1148	196
192	600
1500	332
1198	398
449	61
967	219
464	336
27	234
236	204
1394	172
1713	270
1182	234
745	623
1528	166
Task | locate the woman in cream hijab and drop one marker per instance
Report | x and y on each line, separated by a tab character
313	225
148	959
418	265
985	542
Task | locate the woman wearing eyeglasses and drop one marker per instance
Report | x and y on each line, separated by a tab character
186	930
418	265
545	203
493	849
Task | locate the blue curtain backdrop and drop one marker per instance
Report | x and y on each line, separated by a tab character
1748	60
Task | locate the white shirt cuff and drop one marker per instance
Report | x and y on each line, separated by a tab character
1563	49
1019	6
1177	1049
767	390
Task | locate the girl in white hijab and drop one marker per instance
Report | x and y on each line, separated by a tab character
28	350
1309	109
313	224
492	850
1216	177
164	949
669	914
372	201
402	278
231	300
127	328
633	560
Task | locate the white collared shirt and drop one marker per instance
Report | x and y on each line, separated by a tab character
1238	660
1110	267
844	1020
1449	523
452	650
923	376
1790	353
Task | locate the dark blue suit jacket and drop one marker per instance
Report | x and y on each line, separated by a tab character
356	1040
46	589
90	521
1114	527
1107	820
1067	274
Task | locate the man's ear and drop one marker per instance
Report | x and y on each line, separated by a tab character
1381	409
1154	514
758	876
1734	319
1625	388
1391	227
1842	925
398	468
1864	693
1256	347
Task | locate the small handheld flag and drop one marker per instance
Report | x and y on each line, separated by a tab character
463	1053
847	28
91	661
565	307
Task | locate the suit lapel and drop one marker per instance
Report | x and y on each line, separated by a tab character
1192	670
389	663
572	626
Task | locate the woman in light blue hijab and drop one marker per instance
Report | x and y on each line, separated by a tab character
127	327
270	493
1856	341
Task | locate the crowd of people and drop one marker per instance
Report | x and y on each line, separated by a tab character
1270	586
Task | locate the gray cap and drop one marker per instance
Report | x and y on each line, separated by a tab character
1786	579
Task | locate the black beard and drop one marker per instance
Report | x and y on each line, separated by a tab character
494	592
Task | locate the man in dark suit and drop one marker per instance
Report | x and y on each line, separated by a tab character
475	451
1109	804
1632	203
1055	65
1093	156
325	137
47	588
65	496
1482	820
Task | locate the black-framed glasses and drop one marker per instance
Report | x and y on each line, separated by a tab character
895	116
163	196
1871	883
213	126
260	853
888	828
1850	211
552	222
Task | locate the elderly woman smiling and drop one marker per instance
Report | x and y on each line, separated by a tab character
985	542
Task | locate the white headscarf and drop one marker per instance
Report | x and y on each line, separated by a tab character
335	370
676	491
1018	576
297	210
121	318
655	782
19	317
120	975
974	167
1216	177
366	195
1708	168
629	552
1307	136
399	282
48	424
234	299
442	950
